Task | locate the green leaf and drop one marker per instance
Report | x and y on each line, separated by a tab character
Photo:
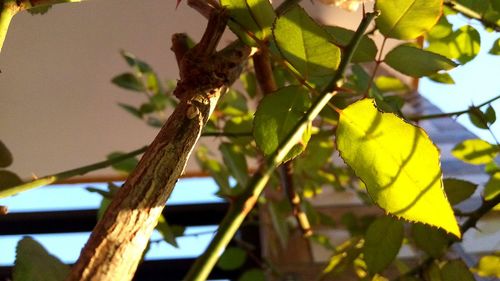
495	49
128	81
132	110
8	179
475	151
407	19
442	29
159	101
249	83
169	233
367	49
234	159
490	115
488	266
305	44
253	275
233	103
33	262
126	166
5	156
456	270
232	258
398	164
458	190
492	187
477	118
444	78
40	10
136	63
240	125
382	243
431	240
253	16
390	84
416	62
465	44
276	116
146	108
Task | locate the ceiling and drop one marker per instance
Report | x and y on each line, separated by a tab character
58	109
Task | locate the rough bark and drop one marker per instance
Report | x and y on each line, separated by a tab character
117	242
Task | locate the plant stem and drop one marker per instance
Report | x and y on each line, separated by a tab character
8	10
471	222
12	7
450	114
241	207
454	5
68	174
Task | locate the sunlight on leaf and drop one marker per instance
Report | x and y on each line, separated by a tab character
475	151
488	266
254	16
495	49
367	49
305	44
407	19
492	187
398	163
416	62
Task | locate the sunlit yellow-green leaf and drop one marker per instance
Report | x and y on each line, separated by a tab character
489	266
398	163
305	44
475	151
416	62
407	19
492	187
250	16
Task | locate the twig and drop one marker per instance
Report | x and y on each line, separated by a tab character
50	179
116	244
450	114
454	5
265	77
471	222
241	207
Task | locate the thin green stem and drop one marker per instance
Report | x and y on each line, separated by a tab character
449	114
68	174
467	12
241	207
